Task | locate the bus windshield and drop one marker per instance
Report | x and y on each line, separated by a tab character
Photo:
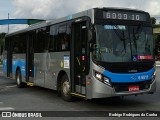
123	43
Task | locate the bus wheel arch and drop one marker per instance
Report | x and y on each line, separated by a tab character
64	86
59	78
18	77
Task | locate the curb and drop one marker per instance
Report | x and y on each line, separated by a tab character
157	63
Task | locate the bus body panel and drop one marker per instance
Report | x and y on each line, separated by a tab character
47	68
18	61
57	61
5	67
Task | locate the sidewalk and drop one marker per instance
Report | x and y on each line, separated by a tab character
157	63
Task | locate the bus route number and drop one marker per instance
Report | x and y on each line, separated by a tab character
121	16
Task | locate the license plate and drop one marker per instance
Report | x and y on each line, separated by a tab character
133	88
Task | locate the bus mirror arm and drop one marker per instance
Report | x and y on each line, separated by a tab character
90	37
89	44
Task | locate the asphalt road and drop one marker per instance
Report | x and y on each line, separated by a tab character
40	99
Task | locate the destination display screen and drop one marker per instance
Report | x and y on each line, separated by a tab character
120	15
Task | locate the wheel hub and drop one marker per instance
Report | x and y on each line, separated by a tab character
18	80
66	88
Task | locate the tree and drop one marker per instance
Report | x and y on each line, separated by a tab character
157	44
153	20
2	37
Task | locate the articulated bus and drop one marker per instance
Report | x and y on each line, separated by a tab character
97	53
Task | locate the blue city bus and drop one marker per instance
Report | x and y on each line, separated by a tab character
97	53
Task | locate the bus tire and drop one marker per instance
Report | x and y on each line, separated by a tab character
19	82
65	89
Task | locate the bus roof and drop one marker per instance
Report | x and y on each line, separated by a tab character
89	12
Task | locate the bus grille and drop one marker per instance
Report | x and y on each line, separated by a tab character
119	87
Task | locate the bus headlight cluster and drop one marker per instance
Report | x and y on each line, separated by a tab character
102	78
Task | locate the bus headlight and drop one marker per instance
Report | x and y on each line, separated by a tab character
102	78
98	76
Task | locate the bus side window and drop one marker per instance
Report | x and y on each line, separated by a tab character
53	38
65	42
40	40
62	38
59	37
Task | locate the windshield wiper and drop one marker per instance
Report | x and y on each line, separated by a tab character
134	40
120	35
138	32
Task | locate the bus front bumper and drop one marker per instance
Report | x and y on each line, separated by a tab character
101	90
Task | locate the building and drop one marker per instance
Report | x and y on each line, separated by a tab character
156	30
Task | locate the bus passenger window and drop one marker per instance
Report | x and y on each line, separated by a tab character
65	43
53	38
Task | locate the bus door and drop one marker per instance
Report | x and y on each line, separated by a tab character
9	58
30	59
79	57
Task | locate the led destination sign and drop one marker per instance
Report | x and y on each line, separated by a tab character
124	15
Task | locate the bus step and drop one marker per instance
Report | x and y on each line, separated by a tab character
29	83
78	95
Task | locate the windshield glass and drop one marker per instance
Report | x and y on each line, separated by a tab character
121	43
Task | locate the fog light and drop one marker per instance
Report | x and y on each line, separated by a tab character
107	81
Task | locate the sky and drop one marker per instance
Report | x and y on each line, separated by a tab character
51	9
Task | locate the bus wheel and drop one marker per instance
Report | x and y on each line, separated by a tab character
65	89
20	84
